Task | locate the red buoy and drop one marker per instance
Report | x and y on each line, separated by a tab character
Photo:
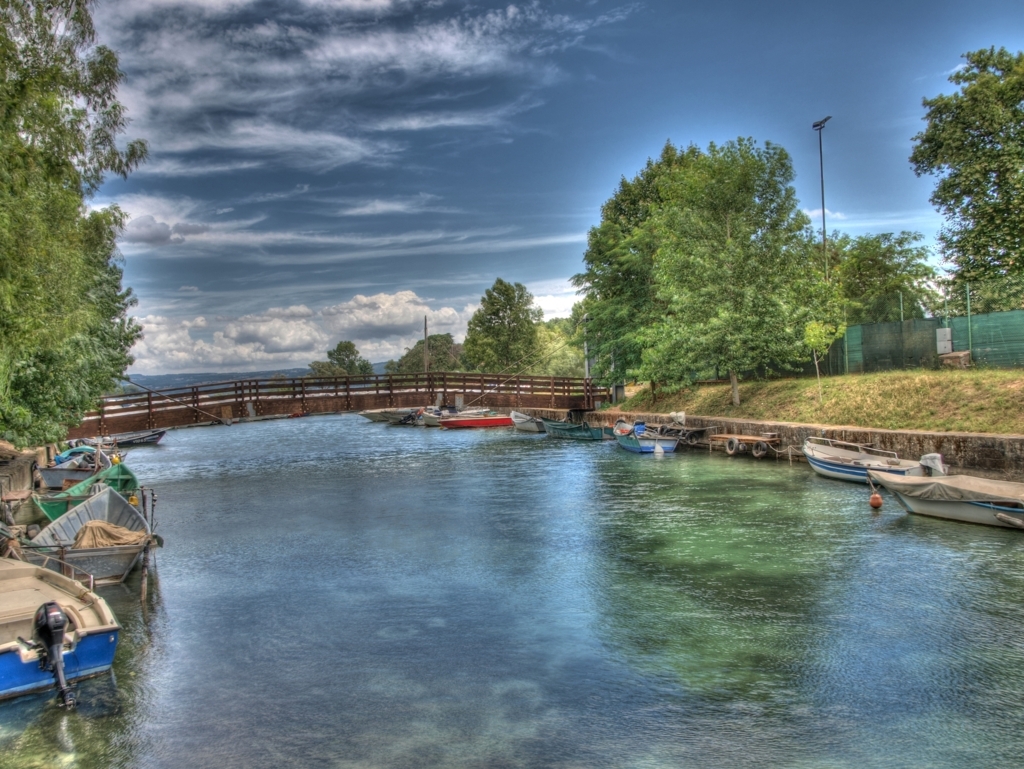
875	501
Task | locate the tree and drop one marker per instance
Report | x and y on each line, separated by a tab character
874	270
501	334
64	329
728	267
620	294
974	144
557	355
445	355
343	360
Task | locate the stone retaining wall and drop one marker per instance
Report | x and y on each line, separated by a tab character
993	455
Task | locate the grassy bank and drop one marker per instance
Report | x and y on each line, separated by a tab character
979	401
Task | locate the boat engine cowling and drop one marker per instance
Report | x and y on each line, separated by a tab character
48	631
933	464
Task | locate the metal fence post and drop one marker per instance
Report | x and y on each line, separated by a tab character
901	306
970	338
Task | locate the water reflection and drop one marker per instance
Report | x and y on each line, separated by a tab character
344	594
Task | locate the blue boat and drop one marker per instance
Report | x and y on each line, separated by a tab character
53	630
641	439
572	430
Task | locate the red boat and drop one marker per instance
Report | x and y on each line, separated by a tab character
476	420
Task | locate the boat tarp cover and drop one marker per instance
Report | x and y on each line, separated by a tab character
104	534
951	488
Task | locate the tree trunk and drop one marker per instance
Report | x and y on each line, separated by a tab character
735	388
817	371
654	395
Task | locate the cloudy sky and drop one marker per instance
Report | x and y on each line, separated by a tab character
337	169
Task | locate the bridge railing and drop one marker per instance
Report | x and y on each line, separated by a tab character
180	406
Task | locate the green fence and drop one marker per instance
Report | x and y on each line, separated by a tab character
994	339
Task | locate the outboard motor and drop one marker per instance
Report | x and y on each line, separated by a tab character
932	464
49	626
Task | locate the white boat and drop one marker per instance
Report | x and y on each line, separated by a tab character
526	423
374	415
964	498
847	461
53	630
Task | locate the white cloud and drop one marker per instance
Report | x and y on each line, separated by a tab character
815	214
554	297
381	326
407	205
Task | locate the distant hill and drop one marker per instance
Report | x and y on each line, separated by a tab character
162	381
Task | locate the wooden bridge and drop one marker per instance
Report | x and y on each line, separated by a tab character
263	398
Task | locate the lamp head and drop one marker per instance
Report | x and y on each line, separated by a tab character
817	126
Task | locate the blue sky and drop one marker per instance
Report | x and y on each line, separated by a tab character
337	169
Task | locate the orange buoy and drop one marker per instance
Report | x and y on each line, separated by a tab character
875	500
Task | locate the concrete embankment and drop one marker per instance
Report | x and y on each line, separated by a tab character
999	456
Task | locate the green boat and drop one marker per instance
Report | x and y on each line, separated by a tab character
573	431
118	477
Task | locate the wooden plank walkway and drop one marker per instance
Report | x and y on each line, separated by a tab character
255	398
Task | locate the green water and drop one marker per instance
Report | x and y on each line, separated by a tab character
343	594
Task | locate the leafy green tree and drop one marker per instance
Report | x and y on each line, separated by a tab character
445	355
343	360
64	329
871	271
728	267
618	284
502	334
557	351
974	144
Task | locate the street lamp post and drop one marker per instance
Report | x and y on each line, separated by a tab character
821	164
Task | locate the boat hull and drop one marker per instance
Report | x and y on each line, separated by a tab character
527	424
91	656
572	431
460	423
845	472
646	444
983	513
54	477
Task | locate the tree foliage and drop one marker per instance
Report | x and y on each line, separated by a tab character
64	329
558	350
874	270
974	144
501	334
445	355
343	360
727	269
620	295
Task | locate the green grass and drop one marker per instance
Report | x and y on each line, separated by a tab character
975	400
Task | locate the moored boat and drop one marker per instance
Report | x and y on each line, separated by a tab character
137	438
117	477
374	415
53	630
462	421
527	424
847	461
640	439
964	498
574	431
103	536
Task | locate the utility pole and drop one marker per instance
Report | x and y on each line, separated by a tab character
586	354
818	126
426	348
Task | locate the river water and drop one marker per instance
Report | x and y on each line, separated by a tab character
335	593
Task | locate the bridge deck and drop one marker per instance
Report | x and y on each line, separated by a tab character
183	406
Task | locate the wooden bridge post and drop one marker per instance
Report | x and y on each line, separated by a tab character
195	404
302	384
348	393
552	392
150	419
391	391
